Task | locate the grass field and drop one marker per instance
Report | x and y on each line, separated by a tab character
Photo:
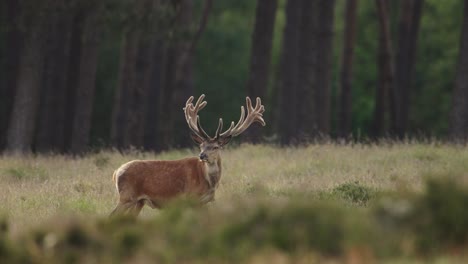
318	203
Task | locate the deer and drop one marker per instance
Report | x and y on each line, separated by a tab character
157	182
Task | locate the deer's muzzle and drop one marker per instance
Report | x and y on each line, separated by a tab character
203	156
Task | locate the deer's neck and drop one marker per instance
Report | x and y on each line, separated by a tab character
213	173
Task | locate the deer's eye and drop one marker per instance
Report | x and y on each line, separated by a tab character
216	147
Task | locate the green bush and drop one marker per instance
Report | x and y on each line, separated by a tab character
186	233
353	192
299	226
441	216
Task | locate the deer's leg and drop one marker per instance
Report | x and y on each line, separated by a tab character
135	209
121	208
152	204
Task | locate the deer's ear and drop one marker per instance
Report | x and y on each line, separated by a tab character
196	138
224	140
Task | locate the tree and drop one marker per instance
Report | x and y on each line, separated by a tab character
289	73
123	120
385	71
52	119
459	115
22	123
135	90
152	123
178	74
306	66
11	59
155	76
345	104
307	117
408	28
323	67
314	69
182	76
260	57
84	90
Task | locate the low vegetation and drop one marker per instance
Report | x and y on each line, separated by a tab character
386	203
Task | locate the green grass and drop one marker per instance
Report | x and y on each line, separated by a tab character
395	203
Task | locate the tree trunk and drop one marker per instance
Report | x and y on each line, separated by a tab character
11	57
152	121
21	129
134	96
459	115
84	93
385	71
165	128
73	69
143	78
306	116
409	21
50	135
323	72
122	119
260	58
178	77
289	73
345	104
183	82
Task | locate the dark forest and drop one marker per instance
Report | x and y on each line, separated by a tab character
81	75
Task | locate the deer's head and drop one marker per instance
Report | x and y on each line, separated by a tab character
210	146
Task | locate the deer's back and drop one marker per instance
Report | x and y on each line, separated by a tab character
162	179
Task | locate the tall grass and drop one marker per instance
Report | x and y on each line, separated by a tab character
265	194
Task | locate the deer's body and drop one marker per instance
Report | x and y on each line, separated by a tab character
155	182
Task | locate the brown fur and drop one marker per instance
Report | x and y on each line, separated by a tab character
155	182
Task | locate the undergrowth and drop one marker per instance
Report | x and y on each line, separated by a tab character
402	203
434	223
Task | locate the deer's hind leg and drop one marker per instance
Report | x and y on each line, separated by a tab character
135	209
122	208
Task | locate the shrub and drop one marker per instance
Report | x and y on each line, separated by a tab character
353	192
441	216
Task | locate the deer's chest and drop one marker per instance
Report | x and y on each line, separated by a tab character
212	175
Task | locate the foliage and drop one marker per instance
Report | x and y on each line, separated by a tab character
223	54
441	215
273	202
183	233
353	192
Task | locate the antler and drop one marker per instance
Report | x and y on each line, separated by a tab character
253	115
191	115
193	120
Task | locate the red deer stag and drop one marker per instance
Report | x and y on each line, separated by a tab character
154	182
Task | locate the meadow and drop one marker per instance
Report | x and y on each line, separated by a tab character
354	203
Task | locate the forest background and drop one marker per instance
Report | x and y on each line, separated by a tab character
80	75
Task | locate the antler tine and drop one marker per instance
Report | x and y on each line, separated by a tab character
249	105
189	101
194	131
202	131
192	118
234	125
253	115
219	129
260	109
200	104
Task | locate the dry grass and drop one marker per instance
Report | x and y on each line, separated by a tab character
33	189
296	204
